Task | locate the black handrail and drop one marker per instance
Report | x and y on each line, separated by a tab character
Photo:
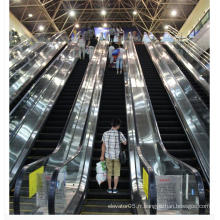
14	132
72	108
19	182
19	179
192	170
53	181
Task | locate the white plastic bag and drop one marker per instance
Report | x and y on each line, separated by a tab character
101	172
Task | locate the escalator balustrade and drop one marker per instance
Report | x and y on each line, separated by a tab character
172	133
51	131
98	201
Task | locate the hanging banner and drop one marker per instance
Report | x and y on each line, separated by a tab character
145	182
33	181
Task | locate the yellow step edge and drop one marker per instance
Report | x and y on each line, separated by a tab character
25	203
21	210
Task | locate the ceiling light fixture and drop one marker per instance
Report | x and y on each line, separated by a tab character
174	13
41	28
134	12
77	25
72	13
104	25
103	12
30	15
166	27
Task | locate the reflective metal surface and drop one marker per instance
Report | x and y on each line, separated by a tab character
150	149
202	77
192	123
194	98
26	119
21	51
22	76
200	55
78	130
81	163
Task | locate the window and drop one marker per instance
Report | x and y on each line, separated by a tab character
200	24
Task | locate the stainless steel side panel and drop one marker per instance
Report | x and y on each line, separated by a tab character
194	98
194	128
23	76
197	76
28	118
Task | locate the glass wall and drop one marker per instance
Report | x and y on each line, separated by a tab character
199	26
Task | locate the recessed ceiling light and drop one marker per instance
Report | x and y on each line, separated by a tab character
77	25
72	13
30	15
166	27
134	12
104	25
103	12
173	12
41	28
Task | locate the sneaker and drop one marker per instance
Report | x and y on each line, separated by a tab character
114	191
109	191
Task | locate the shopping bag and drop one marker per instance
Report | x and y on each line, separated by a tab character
101	172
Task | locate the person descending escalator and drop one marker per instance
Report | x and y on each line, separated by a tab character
110	50
86	36
119	61
91	44
110	152
112	34
82	47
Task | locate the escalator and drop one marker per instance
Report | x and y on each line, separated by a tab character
203	95
35	78
112	105
51	131
172	133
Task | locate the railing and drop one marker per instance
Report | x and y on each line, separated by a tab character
199	73
44	177
75	168
163	165
191	109
201	54
25	74
34	108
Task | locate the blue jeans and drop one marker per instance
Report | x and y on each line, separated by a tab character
119	63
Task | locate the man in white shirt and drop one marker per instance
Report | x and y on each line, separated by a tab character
112	34
119	61
82	47
110	50
110	153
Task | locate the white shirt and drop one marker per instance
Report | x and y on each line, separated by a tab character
122	51
110	50
111	140
81	42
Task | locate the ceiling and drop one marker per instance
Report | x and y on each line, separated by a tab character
152	15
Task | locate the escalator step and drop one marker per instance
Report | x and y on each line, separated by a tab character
51	130
112	105
172	133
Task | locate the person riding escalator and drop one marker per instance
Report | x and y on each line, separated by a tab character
110	153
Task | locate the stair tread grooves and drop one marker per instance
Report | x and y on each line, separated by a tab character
58	115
